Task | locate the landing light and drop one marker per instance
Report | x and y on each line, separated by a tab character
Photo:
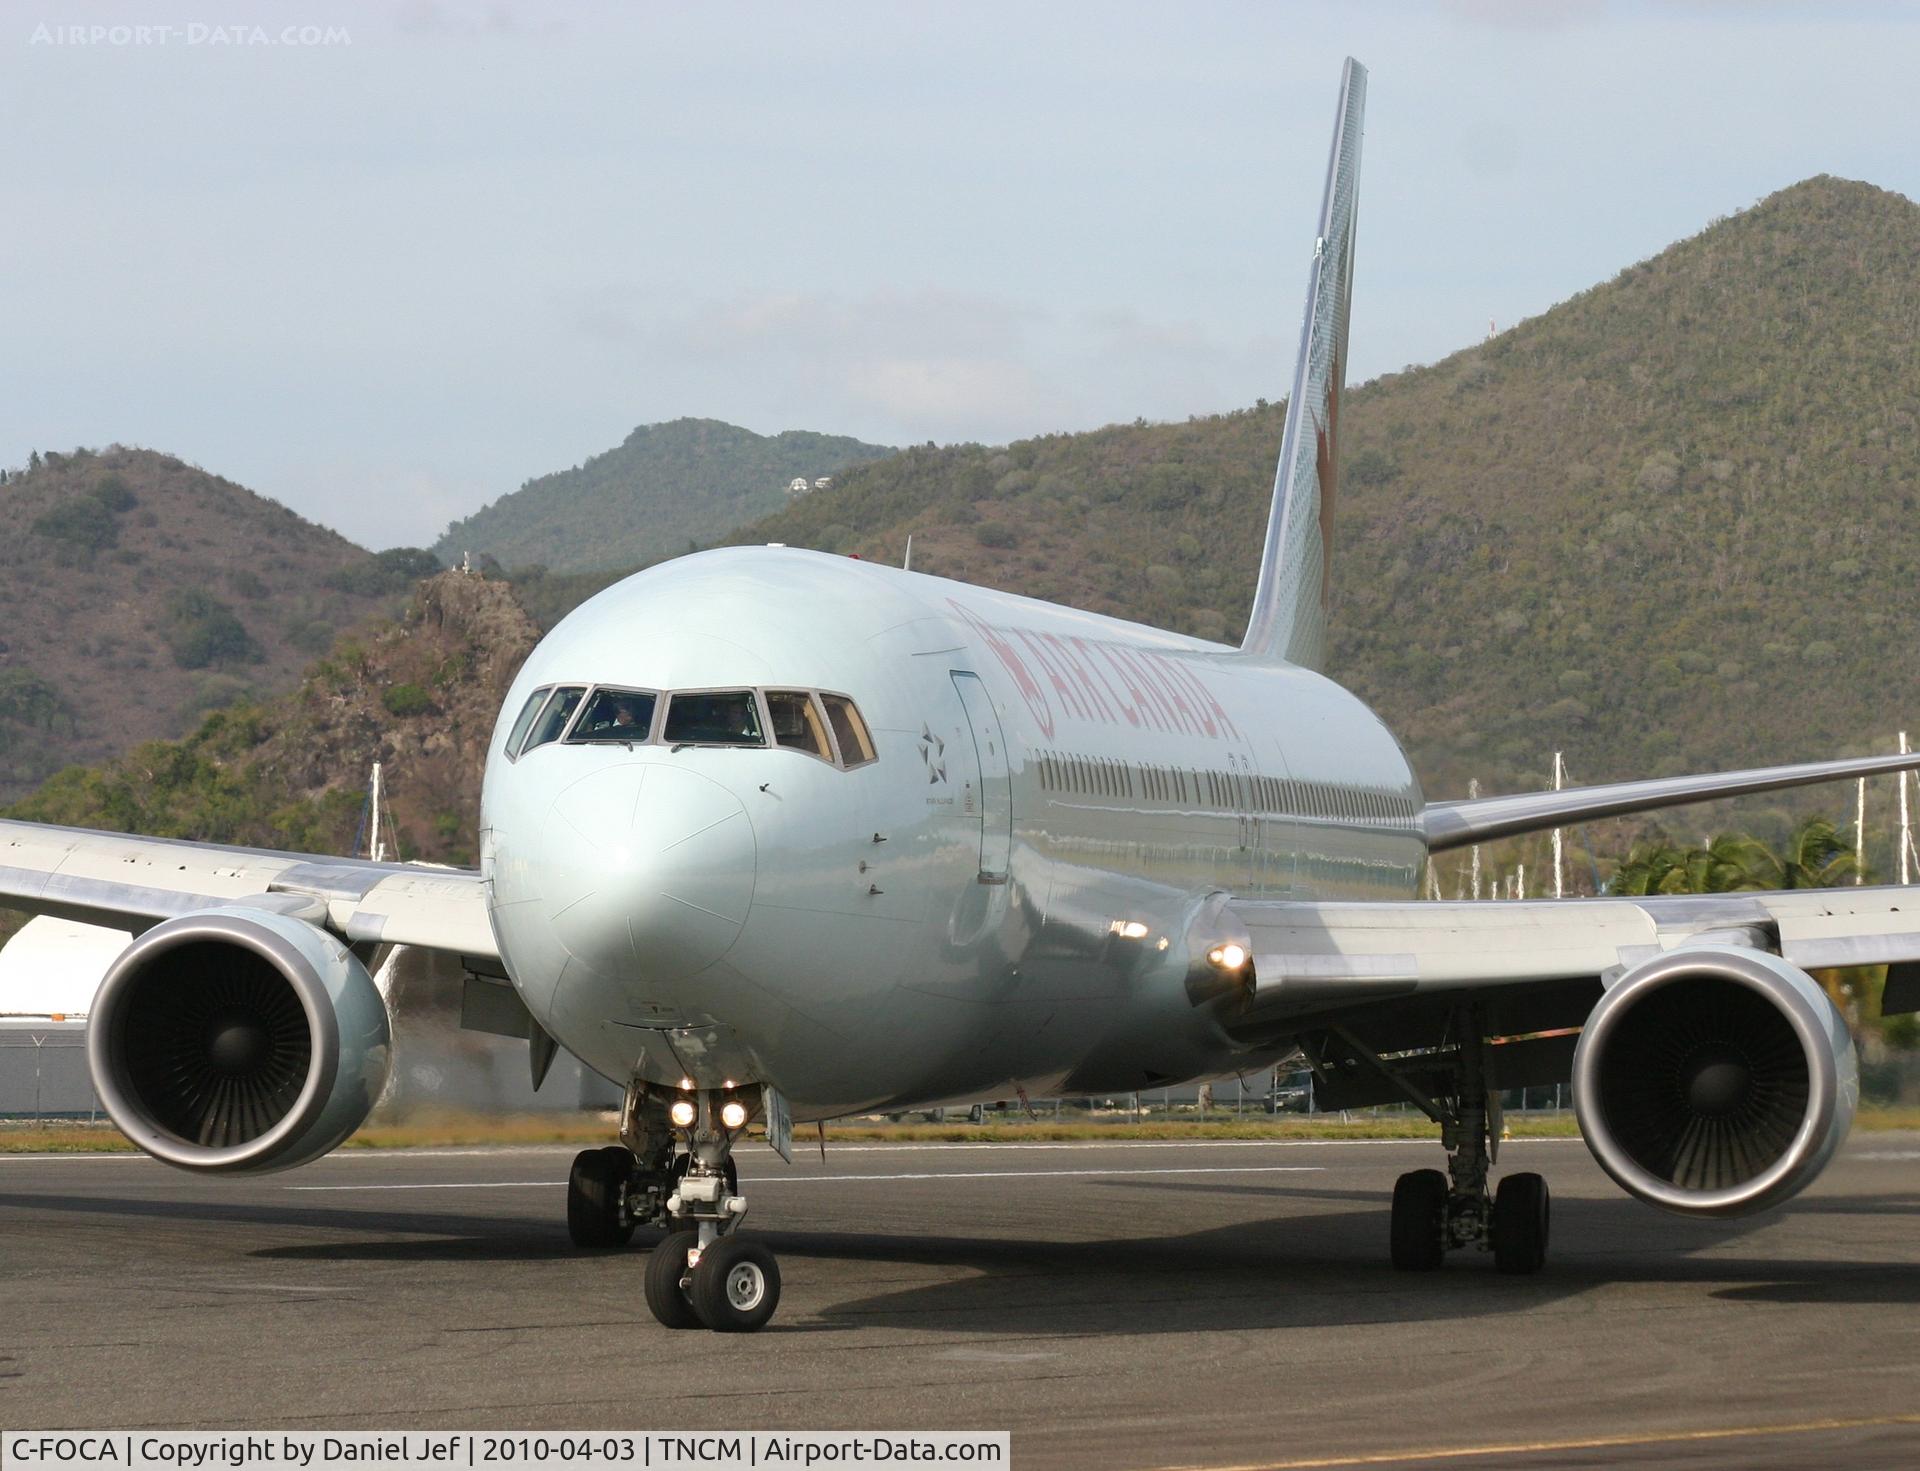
682	1113
733	1114
1129	929
1228	957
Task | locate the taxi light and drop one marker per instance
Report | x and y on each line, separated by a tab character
682	1113
1129	929
733	1113
1228	957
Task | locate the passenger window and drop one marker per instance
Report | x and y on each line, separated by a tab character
849	731
713	718
552	723
525	719
797	724
616	715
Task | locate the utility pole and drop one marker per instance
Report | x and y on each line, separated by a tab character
1473	791
1860	830
1906	822
1559	840
376	849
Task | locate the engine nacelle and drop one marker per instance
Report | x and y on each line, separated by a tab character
238	1040
1715	1080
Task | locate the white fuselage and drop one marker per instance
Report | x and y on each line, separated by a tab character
1000	901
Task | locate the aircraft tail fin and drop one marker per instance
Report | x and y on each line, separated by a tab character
1289	619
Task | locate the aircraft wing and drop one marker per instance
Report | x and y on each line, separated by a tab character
1309	957
134	883
1456	824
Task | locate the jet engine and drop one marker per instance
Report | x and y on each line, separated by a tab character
1715	1080
238	1040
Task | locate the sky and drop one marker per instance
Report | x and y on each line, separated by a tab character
385	263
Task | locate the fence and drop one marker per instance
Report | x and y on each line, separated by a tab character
43	1072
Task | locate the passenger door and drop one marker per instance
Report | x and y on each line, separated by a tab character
996	787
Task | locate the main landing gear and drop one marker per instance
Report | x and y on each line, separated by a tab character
1434	1213
675	1169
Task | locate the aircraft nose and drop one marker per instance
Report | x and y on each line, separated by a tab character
652	870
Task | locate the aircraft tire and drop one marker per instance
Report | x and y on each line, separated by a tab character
666	1265
596	1197
1521	1212
736	1286
1419	1220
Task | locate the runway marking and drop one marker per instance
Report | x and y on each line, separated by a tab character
854	1179
1541	1447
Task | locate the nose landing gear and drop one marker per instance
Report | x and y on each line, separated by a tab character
675	1169
703	1274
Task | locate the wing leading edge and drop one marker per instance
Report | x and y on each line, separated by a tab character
134	883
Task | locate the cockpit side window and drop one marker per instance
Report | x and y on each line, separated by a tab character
797	723
713	718
849	731
615	715
552	723
524	719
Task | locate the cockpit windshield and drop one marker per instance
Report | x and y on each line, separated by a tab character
553	720
616	715
856	745
797	724
714	718
524	720
825	726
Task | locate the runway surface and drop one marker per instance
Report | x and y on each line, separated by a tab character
1113	1305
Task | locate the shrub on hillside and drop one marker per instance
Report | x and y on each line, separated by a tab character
405	700
202	632
81	523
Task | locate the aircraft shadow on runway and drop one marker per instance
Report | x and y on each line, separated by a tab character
1302	1269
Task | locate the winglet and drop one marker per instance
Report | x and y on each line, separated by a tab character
1289	619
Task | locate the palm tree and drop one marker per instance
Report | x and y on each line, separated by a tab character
1815	856
1656	867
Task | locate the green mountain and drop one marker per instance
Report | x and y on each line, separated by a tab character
691	480
418	693
1667	525
138	591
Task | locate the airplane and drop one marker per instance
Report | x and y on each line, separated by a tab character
771	836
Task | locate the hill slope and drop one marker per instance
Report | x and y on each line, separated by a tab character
137	591
690	480
418	694
1667	525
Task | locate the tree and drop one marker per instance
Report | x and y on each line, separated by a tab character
1814	856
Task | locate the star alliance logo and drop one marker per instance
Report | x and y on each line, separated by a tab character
933	751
